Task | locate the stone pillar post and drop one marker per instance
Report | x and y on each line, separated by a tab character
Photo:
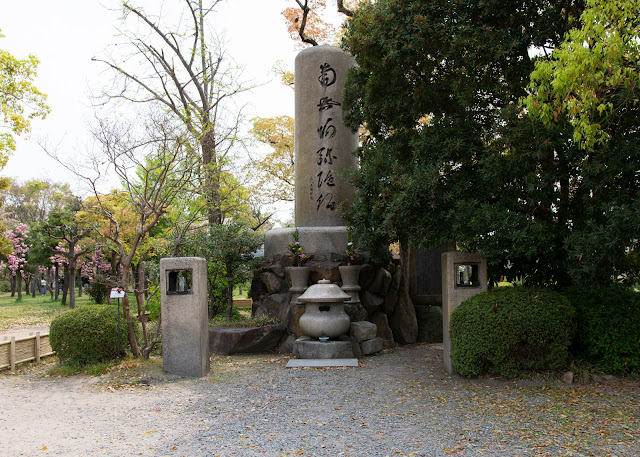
323	145
185	323
463	276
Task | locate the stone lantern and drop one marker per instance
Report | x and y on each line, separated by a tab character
324	314
323	323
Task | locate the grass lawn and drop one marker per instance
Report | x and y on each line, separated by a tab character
31	311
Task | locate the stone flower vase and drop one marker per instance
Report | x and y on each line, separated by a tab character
324	311
299	277
350	275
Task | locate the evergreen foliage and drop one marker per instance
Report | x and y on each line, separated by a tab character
88	334
449	153
608	327
510	330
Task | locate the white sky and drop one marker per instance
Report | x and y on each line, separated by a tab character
64	35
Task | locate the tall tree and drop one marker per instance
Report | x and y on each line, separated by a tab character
63	226
155	165
447	147
229	250
305	20
32	201
20	100
184	70
17	260
275	171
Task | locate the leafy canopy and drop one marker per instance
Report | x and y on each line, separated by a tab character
20	100
594	76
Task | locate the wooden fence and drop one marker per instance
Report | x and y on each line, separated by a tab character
14	351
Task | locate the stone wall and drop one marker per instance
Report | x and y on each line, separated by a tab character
379	297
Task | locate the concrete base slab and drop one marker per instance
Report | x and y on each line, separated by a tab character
315	240
319	363
309	349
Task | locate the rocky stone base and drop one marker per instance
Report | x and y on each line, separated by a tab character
396	320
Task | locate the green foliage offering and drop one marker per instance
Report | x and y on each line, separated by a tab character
510	330
88	334
608	327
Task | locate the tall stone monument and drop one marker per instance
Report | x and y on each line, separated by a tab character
323	147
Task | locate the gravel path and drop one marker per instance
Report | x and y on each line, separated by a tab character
397	403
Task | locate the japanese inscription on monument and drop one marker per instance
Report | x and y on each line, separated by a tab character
323	143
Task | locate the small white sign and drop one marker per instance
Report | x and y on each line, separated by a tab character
117	293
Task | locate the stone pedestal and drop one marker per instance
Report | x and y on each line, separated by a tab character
185	324
313	349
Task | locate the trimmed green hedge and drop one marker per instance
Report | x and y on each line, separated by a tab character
608	327
510	330
88	334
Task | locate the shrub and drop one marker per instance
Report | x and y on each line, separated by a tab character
608	327
5	285
509	330
88	334
99	290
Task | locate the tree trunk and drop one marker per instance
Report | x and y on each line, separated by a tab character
19	285
212	177
403	320
56	285
211	298
71	287
229	297
140	302
126	311
13	285
65	286
49	282
35	285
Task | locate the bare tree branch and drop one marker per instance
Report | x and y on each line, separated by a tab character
305	13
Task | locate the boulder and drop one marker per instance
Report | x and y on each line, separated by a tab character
381	283
355	311
271	281
235	340
403	321
383	330
278	270
372	346
324	270
390	301
429	323
286	347
292	319
363	330
371	302
274	305
258	289
367	275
